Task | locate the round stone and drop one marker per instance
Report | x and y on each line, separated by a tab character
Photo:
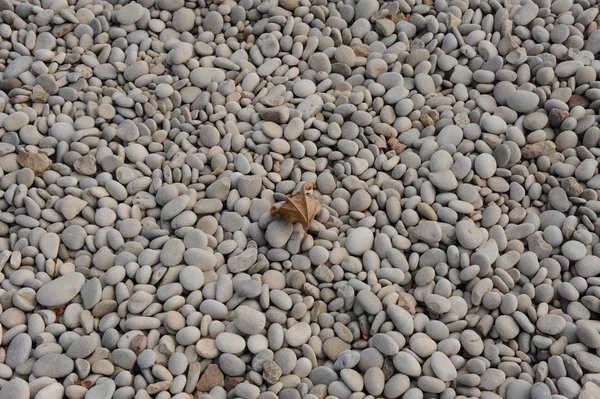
298	334
230	343
359	241
468	234
249	321
485	165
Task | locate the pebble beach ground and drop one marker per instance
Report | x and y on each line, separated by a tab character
448	148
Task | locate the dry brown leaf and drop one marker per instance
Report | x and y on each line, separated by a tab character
59	311
299	208
84	383
400	17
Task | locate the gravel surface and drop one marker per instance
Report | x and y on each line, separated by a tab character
453	147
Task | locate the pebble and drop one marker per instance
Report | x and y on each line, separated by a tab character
249	321
18	350
359	241
485	166
278	233
230	343
213	22
298	334
443	367
551	324
374	381
333	347
385	344
369	301
102	390
522	101
468	234
14	122
507	327
61	290
129	14
15	389
81	348
53	365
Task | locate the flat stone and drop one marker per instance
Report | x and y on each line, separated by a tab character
18	350
53	365
202	77
129	14
444	180
551	324
278	233
15	389
82	347
243	261
104	389
61	290
298	334
249	321
369	301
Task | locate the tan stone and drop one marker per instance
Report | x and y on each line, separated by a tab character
37	162
385	27
162	386
232	382
39	95
400	17
576	100
138	343
85	165
507	44
557	116
396	145
318	308
212	377
289	5
571	186
426	120
452	21
407	302
589	391
361	50
538	149
70	206
378	141
320	391
334	346
271	372
61	30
